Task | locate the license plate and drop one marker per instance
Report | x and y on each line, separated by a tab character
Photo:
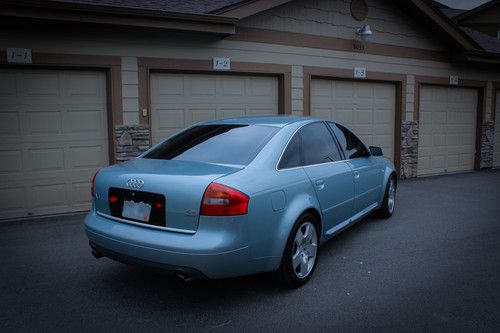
136	210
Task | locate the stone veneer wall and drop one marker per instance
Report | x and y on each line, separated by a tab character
487	132
409	149
131	141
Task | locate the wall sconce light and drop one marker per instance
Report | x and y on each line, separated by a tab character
365	33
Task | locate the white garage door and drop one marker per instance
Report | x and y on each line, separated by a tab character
496	151
367	108
179	100
447	133
53	137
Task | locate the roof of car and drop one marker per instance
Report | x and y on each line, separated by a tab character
278	121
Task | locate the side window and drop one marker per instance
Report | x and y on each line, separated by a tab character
291	156
352	146
318	145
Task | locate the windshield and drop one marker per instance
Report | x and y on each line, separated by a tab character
221	144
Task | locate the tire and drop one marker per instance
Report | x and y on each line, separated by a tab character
301	252
389	202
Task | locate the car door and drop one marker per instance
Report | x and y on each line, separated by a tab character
367	172
331	177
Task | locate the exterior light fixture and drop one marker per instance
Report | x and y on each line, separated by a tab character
365	33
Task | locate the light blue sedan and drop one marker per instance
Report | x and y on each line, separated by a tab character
239	196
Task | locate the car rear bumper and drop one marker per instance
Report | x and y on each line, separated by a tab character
218	249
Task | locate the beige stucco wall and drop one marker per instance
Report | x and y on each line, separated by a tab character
333	19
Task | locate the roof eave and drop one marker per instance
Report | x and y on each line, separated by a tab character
445	24
73	12
477	57
248	8
475	10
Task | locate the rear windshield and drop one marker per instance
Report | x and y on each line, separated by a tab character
221	144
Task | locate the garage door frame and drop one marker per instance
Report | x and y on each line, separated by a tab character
148	66
399	80
111	65
445	82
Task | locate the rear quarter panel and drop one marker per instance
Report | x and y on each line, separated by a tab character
277	199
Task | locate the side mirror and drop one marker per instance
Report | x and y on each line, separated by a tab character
376	151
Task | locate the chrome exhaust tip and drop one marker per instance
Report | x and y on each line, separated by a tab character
183	276
96	254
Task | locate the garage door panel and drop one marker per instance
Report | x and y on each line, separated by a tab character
51	113
263	87
46	159
367	108
364	91
447	129
364	115
197	115
233	112
46	122
193	98
202	86
89	121
7	88
80	192
40	85
12	161
86	156
52	195
172	85
169	118
259	111
82	85
232	86
322	88
340	88
13	200
9	123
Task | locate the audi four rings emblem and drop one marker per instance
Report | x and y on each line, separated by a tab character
135	183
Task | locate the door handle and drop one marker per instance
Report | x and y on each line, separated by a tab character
320	184
356	175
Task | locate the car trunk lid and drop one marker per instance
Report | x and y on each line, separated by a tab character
181	184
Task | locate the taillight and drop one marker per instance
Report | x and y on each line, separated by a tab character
220	200
92	184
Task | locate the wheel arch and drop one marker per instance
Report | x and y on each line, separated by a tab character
301	205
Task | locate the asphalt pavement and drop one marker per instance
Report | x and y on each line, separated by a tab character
434	266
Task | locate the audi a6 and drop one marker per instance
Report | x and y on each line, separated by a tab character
239	196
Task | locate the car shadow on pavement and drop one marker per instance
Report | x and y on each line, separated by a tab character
136	281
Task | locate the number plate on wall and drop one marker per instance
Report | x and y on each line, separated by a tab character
223	64
19	56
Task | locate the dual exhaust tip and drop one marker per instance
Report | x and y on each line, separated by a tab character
181	275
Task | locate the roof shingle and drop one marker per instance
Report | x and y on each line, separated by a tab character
178	6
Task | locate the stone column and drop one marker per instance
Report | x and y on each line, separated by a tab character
131	141
487	131
409	149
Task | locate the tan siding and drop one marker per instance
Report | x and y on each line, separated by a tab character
163	45
332	18
130	84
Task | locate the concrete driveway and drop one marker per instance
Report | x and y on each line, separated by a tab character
434	266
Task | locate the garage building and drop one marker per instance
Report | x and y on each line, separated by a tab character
85	84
